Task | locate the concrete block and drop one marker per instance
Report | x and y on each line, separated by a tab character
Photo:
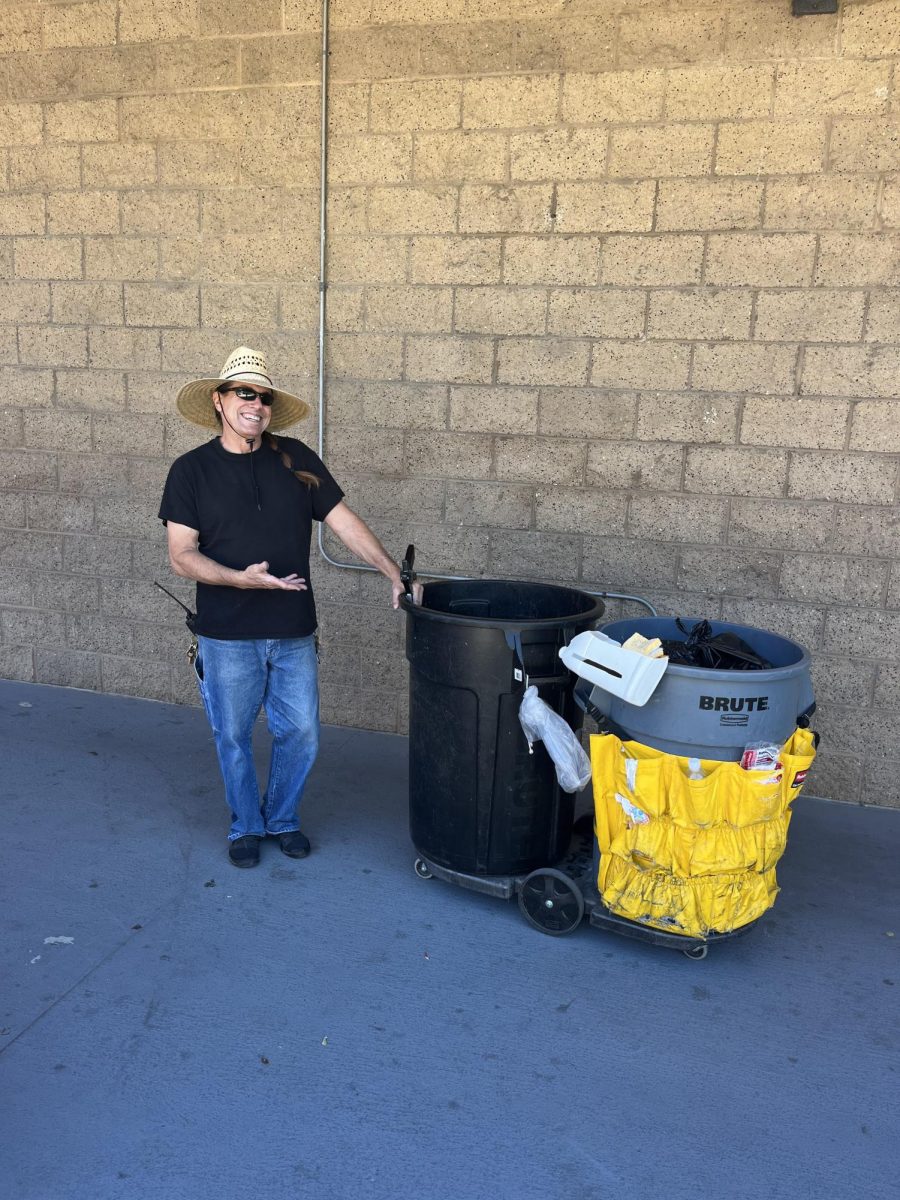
449	455
637	152
818	315
619	563
667	417
368	260
799	622
27	387
853	632
476	48
770	147
121	258
503	209
195	164
500	310
516	102
364	356
678	519
20	549
552	461
558	259
67	593
865	144
700	313
49	346
398	106
596	312
135	599
427	209
22	124
658	260
124	349
849	478
796	422
280	161
67	668
875	426
345	310
779	525
22	214
551	361
613	96
729	573
58	513
90	24
86	303
43	167
760	260
158	304
604	207
129	433
769	369
708	204
883	317
12	516
871	29
578	510
828	578
52	75
149	679
397	500
449	359
494	409
843	86
8	346
290	58
735	471
231	210
551	556
365	452
48	258
581	412
154	212
768	30
566	43
654	37
864	371
16	662
557	154
117	70
82	121
100	391
372	159
459	155
411	309
24	301
887	685
504	505
447	260
82	474
639	364
830	202
717	93
375	54
14	420
27	626
131	517
25	470
858	260
251	306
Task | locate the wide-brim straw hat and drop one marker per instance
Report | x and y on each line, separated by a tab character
245	366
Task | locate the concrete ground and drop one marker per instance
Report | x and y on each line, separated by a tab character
341	1030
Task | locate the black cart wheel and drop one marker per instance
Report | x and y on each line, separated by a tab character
422	869
696	952
551	902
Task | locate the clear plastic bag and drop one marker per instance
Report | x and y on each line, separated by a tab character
541	724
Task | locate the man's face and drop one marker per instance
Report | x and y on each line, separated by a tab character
242	407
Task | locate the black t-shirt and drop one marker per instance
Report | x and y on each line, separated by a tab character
216	492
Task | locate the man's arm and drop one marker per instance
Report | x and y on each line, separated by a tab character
187	561
359	538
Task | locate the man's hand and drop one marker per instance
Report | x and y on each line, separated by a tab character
257	576
398	590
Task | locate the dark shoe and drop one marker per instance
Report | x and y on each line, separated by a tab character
244	851
294	844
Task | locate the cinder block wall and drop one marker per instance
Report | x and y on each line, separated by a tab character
615	300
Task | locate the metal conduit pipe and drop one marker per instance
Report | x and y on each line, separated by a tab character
323	288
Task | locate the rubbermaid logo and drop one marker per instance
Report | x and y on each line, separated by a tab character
735	704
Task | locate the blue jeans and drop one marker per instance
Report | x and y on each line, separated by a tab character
237	679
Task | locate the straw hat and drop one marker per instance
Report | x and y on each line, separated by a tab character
242	366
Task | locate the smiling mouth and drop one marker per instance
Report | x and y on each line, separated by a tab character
252	417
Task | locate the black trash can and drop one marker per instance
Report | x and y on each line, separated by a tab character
479	803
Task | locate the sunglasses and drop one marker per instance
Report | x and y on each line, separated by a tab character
248	393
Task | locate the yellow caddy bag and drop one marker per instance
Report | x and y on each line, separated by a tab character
691	856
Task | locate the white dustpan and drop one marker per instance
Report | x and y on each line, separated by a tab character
602	661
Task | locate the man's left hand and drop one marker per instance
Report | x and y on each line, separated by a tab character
398	590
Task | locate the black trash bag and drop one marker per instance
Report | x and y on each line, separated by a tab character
716	652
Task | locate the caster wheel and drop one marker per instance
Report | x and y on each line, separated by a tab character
551	902
422	870
696	952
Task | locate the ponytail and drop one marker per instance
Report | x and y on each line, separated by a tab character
306	477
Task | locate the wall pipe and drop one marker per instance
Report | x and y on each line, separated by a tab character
323	288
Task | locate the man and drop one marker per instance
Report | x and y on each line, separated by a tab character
238	512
